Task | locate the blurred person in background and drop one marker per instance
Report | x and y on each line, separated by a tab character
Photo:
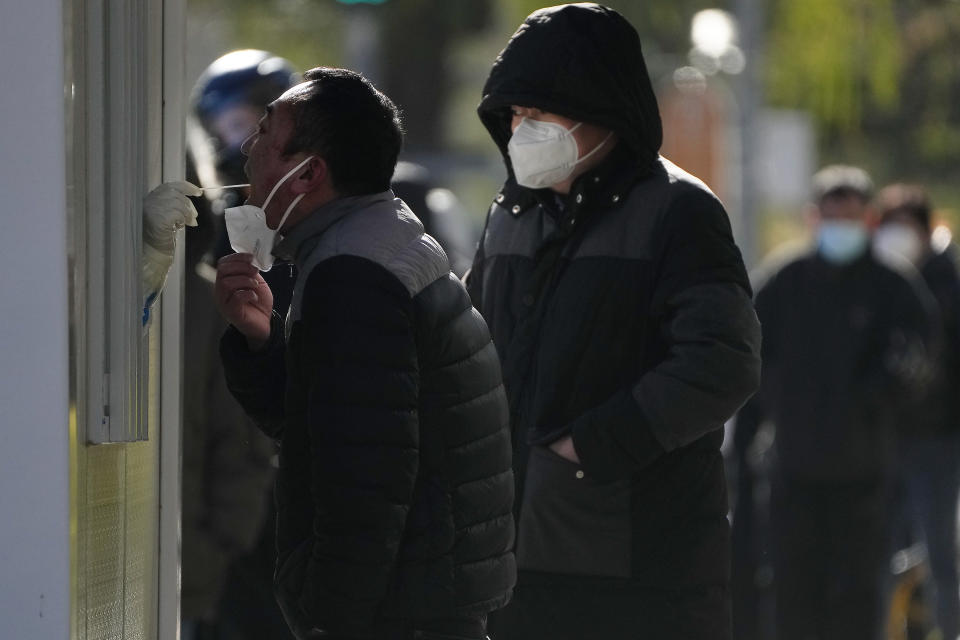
846	348
226	468
931	432
622	313
227	101
230	590
395	486
442	214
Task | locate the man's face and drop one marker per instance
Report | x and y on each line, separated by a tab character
518	113
266	163
587	135
908	221
843	207
235	124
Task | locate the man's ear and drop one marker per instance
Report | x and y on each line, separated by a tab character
311	177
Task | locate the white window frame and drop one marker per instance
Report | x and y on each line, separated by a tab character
173	154
115	111
126	65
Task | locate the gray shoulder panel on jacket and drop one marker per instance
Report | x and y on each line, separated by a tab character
390	235
387	233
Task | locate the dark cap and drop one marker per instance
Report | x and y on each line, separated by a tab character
841	180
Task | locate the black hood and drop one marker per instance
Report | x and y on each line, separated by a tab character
582	61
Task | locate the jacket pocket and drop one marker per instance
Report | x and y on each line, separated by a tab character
571	523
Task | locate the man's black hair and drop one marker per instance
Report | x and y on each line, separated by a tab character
356	129
904	199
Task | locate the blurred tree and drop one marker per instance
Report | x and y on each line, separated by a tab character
417	38
834	58
924	130
882	78
306	32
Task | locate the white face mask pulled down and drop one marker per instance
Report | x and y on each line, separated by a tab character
247	225
545	153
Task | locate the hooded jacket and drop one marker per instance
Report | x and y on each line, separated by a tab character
622	315
395	490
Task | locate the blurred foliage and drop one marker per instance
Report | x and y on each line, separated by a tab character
416	56
306	32
881	77
834	58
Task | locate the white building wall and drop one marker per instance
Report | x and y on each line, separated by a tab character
34	475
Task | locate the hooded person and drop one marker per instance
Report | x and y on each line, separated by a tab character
622	314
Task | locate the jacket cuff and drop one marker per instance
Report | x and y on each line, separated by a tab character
614	440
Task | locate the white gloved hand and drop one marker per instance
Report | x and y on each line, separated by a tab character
165	210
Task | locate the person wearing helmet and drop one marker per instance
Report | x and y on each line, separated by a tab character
228	542
228	100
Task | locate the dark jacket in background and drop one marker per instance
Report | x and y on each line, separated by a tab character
939	410
622	314
845	352
226	467
395	490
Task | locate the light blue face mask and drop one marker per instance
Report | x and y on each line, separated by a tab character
842	241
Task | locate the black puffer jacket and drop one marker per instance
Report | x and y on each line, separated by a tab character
623	317
395	488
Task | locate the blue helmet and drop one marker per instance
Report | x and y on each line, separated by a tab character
247	76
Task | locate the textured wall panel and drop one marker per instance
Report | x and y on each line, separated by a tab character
102	535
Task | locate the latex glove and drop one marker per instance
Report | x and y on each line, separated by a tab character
165	210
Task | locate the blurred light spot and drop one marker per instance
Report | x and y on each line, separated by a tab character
690	80
704	62
270	65
940	238
733	61
441	199
713	31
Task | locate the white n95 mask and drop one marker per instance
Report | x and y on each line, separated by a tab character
545	153
896	239
247	226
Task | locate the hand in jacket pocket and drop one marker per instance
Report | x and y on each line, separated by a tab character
565	449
